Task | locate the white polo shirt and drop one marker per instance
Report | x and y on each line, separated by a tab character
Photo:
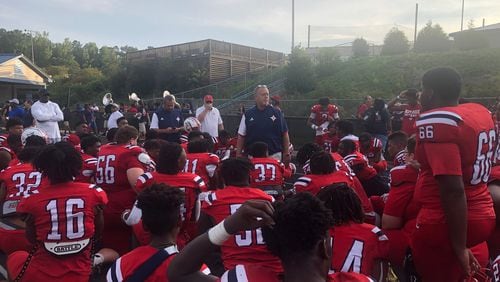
211	122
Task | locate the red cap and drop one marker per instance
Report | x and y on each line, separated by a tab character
208	98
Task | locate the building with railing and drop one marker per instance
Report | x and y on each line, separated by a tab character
222	59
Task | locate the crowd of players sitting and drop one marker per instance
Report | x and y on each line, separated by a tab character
160	211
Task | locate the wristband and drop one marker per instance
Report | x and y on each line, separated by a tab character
218	234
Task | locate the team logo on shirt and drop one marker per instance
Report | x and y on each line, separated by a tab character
251	119
273	118
178	119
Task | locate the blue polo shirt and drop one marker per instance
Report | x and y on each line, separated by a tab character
168	119
267	125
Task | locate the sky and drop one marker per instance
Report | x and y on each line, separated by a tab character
257	23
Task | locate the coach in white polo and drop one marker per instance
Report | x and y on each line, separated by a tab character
209	117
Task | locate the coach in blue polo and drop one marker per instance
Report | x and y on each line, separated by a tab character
167	121
264	123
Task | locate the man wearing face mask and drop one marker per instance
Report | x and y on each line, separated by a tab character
209	117
47	114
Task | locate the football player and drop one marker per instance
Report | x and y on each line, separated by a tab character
371	147
90	150
247	246
356	246
119	165
321	116
455	145
62	221
199	161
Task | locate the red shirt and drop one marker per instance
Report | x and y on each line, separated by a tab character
268	172
202	164
246	246
19	180
356	247
329	143
127	264
3	140
410	116
362	109
374	150
63	213
221	149
111	174
340	164
457	141
320	115
89	167
191	185
400	202
359	164
400	158
313	183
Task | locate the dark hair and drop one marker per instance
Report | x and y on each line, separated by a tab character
168	159
151	134
11	122
365	136
306	151
124	134
60	162
258	150
444	82
210	140
89	141
15	142
349	146
194	134
120	119
322	163
301	222
324	101
235	170
224	134
80	123
343	202
379	104
153	144
411	93
161	208
110	135
399	137
345	126
410	146
35	140
199	146
28	153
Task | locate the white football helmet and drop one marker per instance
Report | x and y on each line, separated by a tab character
190	123
32	131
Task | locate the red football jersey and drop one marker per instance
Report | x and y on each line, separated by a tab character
126	265
457	141
246	246
320	115
355	247
340	164
225	150
202	164
63	216
111	173
495	267
89	167
400	202
329	143
359	164
374	149
3	140
410	116
400	158
268	172
191	185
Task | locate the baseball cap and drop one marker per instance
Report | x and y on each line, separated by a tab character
208	98
15	101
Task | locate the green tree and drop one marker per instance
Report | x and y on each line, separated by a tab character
432	38
90	55
360	48
299	72
327	61
395	43
62	54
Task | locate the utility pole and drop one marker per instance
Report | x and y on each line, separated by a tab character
462	21
293	24
308	36
416	23
32	45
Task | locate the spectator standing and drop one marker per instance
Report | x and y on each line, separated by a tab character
275	102
167	121
27	117
143	117
411	109
263	123
378	121
367	103
209	117
15	110
47	115
114	116
89	115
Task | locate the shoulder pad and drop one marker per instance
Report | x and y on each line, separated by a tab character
144	158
